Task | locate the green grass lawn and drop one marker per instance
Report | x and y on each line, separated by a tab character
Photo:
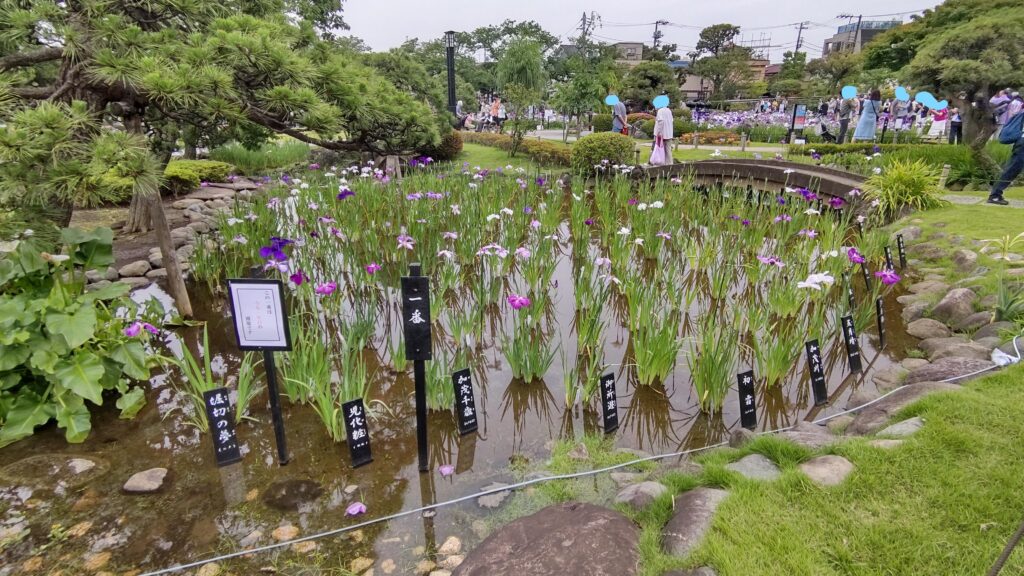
943	503
978	222
490	158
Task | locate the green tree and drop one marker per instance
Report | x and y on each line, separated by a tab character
716	39
968	62
579	95
521	79
649	79
729	72
790	80
835	69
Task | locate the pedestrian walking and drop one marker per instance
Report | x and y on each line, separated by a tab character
1015	165
868	122
846	107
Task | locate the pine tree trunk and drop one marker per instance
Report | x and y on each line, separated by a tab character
138	215
978	128
175	281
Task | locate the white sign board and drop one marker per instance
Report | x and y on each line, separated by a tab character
257	307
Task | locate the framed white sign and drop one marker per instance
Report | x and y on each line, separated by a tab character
257	307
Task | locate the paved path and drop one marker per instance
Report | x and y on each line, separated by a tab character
972	200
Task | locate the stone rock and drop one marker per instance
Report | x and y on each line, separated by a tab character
285	533
570	538
291	494
694	512
452	545
927	328
927	251
927	287
156	259
424	566
251	540
199	226
452	562
904	428
94	562
158	274
186	251
886	380
623	479
965	350
184	203
993	329
238	184
304	547
860	397
135	283
910	234
913	312
212	193
682	466
755	467
885	443
579	452
388	566
989	344
875	416
182	236
911	363
146	481
135	269
965	260
974	321
827	470
933	345
440	573
839	424
211	569
740	437
956	306
808	434
960	369
640	495
359	564
908	299
493	500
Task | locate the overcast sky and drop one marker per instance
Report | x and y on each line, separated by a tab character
384	24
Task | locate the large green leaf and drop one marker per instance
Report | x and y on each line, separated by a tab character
13	356
44	360
73	417
132	357
31	260
131	402
108	292
27	412
90	248
9	380
81	374
76	328
8	271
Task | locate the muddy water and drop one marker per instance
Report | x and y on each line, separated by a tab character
203	510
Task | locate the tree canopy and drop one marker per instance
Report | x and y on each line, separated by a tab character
649	79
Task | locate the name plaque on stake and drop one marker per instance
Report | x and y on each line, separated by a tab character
257	307
416	317
901	247
222	425
465	403
609	404
888	259
818	384
357	432
849	291
852	344
880	314
867	275
748	403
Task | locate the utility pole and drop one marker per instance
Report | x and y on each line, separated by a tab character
799	37
657	33
855	40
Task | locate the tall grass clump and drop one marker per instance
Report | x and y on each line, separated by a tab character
266	158
902	186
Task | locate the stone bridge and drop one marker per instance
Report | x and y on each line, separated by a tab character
765	175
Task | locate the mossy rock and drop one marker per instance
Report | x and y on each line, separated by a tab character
184	176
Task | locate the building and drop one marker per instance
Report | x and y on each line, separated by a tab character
758	68
852	37
771	71
692	87
630	53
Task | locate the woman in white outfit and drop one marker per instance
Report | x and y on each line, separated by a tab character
663	132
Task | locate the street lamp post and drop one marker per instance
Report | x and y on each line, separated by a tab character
449	44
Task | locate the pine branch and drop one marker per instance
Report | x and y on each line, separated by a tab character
31	57
32	92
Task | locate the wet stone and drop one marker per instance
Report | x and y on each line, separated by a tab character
493	500
452	545
740	437
694	512
926	328
839	424
755	467
49	470
289	495
146	481
640	495
827	470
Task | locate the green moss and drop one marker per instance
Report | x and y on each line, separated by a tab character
184	176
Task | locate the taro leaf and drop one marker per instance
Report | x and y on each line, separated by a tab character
132	357
12	338
9	380
44	360
108	292
73	417
13	356
30	259
131	402
76	328
8	271
90	248
27	412
81	374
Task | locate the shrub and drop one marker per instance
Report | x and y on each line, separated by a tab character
272	156
683	113
447	149
904	185
545	152
602	122
184	176
641	116
591	150
678	127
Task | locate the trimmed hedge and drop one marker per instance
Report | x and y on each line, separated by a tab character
544	152
184	176
679	126
602	122
591	150
447	149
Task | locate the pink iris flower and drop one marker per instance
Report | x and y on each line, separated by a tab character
518	302
372	268
326	289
